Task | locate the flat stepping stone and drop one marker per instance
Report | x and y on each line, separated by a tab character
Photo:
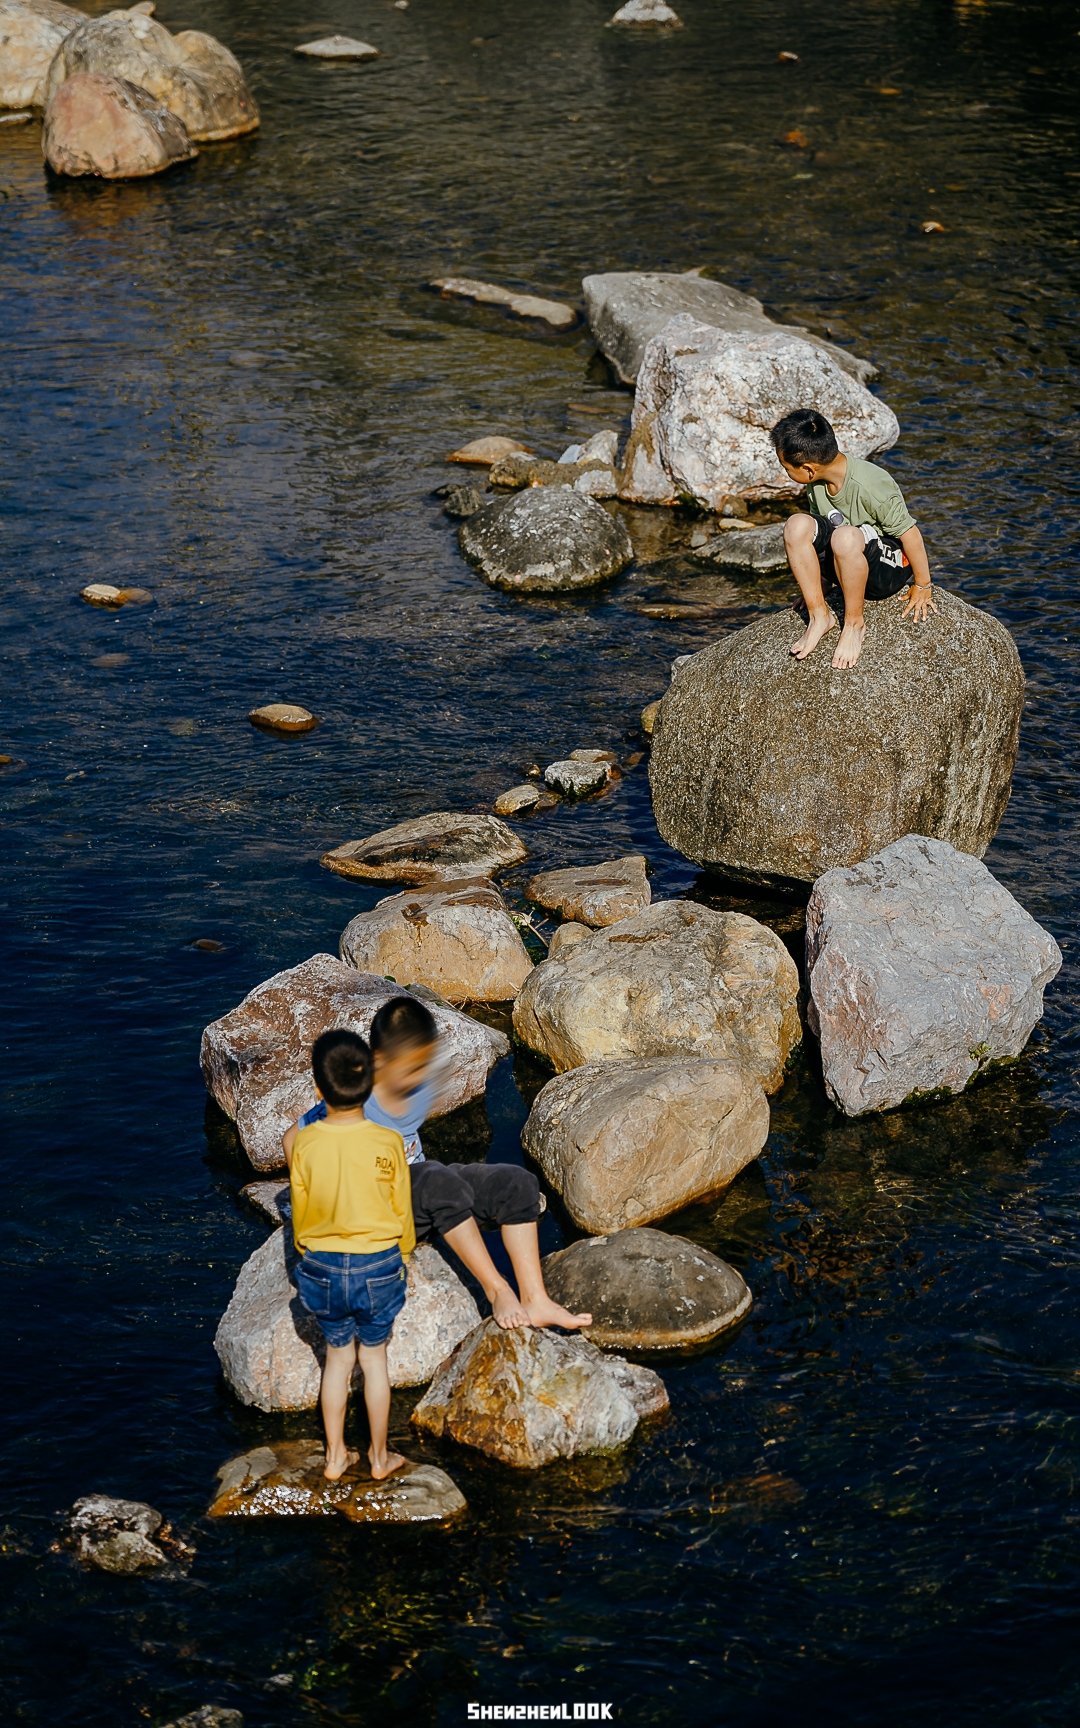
545	540
522	797
286	1481
597	894
446	846
553	312
104	594
337	48
647	1290
283	717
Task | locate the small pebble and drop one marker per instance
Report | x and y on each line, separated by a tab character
11	765
19	118
207	945
796	139
786	54
482	452
283	717
932	227
634	758
648	717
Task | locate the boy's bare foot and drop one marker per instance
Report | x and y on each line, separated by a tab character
385	1466
849	646
545	1312
507	1311
819	626
337	1466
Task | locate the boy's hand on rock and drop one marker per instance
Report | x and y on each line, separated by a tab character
920	601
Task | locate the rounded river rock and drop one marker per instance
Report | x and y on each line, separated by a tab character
545	540
647	1290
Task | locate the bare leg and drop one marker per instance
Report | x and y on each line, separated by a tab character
334	1398
377	1403
468	1244
852	569
803	560
523	1247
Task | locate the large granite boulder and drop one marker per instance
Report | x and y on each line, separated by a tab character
546	540
627	308
256	1060
446	846
285	1480
458	939
705	402
922	969
191	74
30	33
774	770
625	1142
594	894
96	124
647	1290
529	1396
676	980
271	1349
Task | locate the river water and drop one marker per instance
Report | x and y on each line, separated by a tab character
229	387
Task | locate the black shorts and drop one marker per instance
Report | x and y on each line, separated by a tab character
889	568
444	1195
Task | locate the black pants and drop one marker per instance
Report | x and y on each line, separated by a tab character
887	567
444	1195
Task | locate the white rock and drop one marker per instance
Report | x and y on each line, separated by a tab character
576	779
271	1348
337	48
705	402
256	1060
30	33
598	483
646	13
922	969
286	1480
603	446
457	938
572	453
553	312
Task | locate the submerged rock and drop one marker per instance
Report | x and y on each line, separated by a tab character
594	894
706	400
576	779
271	1349
337	48
627	1141
552	312
482	452
457	938
256	1060
285	1480
546	540
648	14
30	33
209	1716
529	1396
116	1535
191	74
446	846
627	308
774	770
676	980
647	1290
761	550
283	717
922	968
105	126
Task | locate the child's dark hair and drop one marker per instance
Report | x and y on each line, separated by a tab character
342	1066
402	1021
804	435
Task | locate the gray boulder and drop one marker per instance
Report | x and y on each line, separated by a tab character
774	770
546	540
647	1290
271	1349
457	938
627	308
285	1480
529	1396
594	894
628	1141
256	1060
116	1535
445	846
576	779
922	969
677	980
760	550
30	33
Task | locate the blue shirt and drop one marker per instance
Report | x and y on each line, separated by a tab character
408	1124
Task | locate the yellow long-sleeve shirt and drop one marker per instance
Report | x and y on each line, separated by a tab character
351	1192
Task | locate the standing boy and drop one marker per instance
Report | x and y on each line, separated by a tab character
352	1225
860	535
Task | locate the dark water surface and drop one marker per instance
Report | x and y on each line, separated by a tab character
228	387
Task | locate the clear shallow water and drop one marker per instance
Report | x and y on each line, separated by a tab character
227	386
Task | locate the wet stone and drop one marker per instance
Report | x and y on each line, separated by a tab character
552	312
576	779
285	1480
647	1290
443	847
337	48
546	539
209	1716
462	502
482	452
517	798
116	1535
283	717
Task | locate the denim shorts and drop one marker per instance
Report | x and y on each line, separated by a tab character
353	1295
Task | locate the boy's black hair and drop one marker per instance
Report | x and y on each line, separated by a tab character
343	1069
804	435
402	1021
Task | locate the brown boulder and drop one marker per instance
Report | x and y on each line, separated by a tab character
30	33
285	1480
594	894
447	846
647	1290
458	939
96	124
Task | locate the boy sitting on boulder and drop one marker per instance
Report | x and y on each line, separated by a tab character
859	535
455	1200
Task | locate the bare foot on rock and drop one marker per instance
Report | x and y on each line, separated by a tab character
820	624
385	1466
545	1312
507	1311
337	1464
849	646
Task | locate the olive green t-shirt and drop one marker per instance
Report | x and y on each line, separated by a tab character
868	495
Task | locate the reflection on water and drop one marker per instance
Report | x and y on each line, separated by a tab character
232	386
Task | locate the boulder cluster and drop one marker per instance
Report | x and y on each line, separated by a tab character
119	95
